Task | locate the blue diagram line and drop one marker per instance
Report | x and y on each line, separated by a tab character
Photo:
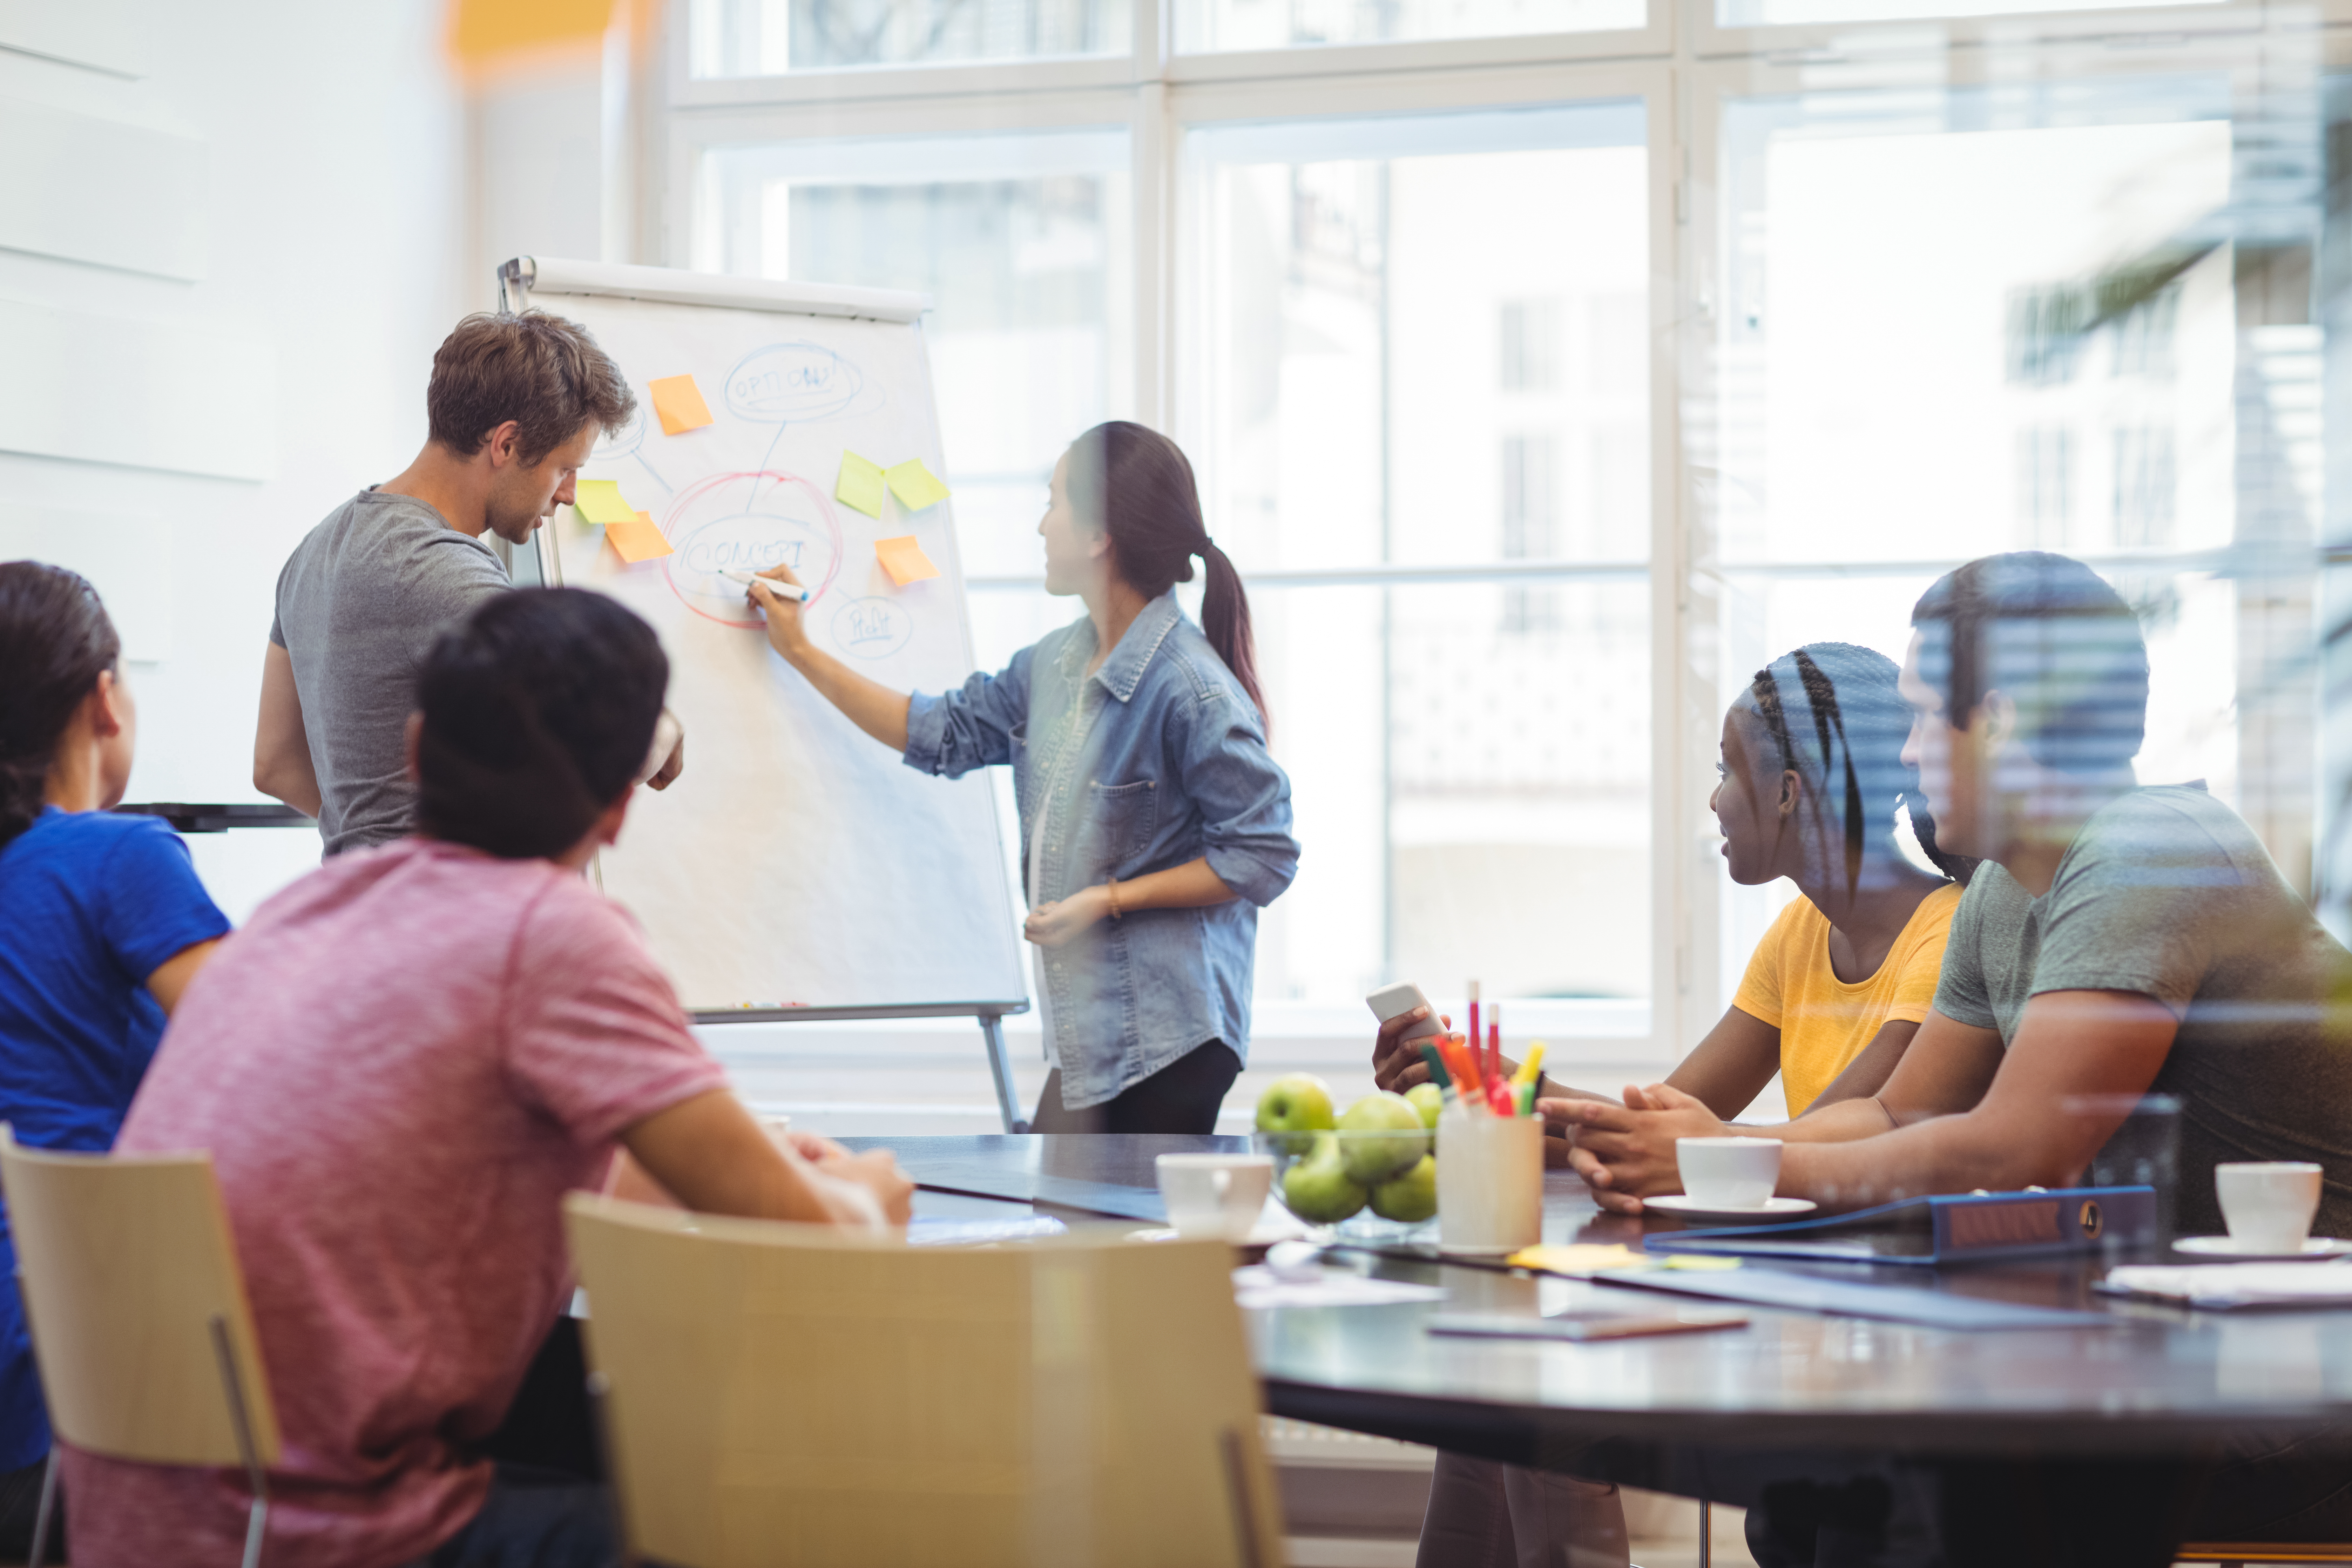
763	468
650	469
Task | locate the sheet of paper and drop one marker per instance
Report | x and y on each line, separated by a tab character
679	404
904	560
914	486
860	485
599	501
639	539
1258	1286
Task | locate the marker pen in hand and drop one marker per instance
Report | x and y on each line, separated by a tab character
782	590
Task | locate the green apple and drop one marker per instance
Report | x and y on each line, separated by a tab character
1318	1189
1412	1196
1296	1102
1393	1137
1429	1100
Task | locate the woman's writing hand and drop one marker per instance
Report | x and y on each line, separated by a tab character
1050	925
786	633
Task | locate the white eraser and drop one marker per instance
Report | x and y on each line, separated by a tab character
746	576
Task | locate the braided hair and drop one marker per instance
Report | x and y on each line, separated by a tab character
55	642
1832	710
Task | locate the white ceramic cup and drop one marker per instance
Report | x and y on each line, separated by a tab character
2268	1203
1728	1173
1489	1181
1214	1196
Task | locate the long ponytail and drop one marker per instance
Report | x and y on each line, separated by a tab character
55	642
1137	485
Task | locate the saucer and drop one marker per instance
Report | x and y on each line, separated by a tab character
1770	1209
2224	1246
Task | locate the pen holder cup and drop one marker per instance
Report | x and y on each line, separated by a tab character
1489	1182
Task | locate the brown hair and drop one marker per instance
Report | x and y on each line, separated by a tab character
545	373
1136	485
55	642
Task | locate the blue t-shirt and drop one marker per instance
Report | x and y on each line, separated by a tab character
91	905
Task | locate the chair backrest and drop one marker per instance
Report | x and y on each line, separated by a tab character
125	1262
782	1395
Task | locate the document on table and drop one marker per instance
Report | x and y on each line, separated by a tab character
1258	1286
2226	1285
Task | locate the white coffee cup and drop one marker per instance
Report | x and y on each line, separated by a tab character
1728	1173
2268	1203
1215	1196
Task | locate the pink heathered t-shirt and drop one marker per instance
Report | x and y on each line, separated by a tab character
399	1066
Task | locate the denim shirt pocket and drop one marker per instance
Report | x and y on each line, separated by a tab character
1119	822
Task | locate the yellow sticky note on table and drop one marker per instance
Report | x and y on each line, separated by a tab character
860	484
914	486
679	404
639	539
599	501
1577	1259
904	560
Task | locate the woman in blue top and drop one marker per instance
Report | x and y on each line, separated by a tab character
102	925
1154	824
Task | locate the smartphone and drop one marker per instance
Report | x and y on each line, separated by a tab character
1588	1324
1391	1001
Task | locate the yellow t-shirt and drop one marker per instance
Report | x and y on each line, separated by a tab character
1824	1022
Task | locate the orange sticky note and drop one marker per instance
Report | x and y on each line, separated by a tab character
679	402
904	560
639	539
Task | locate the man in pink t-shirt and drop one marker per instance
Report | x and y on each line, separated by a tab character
399	1067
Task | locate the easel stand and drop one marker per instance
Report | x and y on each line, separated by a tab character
992	1016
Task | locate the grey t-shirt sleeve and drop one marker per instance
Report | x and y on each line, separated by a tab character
1960	994
2139	905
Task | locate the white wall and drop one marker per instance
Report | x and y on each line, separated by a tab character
285	290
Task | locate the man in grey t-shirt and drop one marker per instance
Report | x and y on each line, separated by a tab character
515	406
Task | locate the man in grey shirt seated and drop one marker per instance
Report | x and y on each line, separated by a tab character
514	407
2119	940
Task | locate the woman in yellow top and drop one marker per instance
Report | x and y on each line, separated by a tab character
1811	778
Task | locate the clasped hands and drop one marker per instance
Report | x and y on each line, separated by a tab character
1053	923
1626	1152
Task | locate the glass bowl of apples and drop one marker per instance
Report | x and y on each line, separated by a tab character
1368	1175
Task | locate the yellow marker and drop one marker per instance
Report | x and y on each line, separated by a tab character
1530	1067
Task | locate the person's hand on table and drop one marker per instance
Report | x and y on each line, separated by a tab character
1052	925
1396	1065
1626	1152
875	1177
810	1146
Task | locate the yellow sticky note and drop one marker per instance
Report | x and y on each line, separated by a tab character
914	486
599	501
639	539
1577	1259
679	402
1700	1262
860	484
904	560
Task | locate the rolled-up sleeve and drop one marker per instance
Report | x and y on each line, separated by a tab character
1243	799
956	731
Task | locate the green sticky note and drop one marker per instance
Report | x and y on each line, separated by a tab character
860	484
599	501
916	485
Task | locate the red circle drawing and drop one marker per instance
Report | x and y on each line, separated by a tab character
701	508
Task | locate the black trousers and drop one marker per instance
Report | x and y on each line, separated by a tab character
1182	1097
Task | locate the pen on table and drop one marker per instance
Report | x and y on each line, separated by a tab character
782	590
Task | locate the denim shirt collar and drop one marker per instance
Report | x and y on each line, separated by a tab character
1122	672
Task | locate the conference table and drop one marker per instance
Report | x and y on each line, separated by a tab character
2114	1422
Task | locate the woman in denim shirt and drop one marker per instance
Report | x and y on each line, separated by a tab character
1154	824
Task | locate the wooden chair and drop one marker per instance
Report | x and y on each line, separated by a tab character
138	1317
779	1394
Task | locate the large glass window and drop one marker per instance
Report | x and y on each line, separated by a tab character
771	38
1416	345
1208	25
2056	325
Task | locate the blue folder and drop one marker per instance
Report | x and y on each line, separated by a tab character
1958	1228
